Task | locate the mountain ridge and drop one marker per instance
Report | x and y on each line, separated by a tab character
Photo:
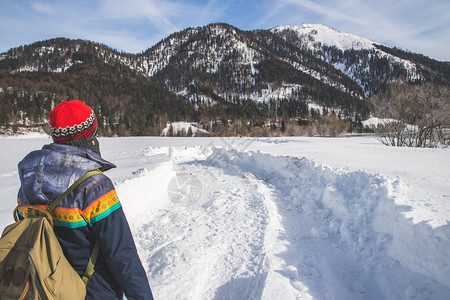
285	71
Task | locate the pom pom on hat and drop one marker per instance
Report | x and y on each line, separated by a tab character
72	120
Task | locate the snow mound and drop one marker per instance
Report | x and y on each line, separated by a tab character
182	129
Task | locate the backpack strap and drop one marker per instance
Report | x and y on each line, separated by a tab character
91	264
71	188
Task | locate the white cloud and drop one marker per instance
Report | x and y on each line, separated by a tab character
159	13
46	9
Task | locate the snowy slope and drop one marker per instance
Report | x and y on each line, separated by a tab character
318	33
315	36
292	218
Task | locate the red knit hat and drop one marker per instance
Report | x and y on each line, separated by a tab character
72	120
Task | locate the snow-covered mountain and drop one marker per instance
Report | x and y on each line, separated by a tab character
237	60
221	48
219	62
307	66
370	64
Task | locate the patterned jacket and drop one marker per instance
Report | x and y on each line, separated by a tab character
92	212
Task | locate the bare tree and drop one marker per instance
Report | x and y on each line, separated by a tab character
332	126
413	116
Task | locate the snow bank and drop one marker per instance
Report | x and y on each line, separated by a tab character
25	135
355	208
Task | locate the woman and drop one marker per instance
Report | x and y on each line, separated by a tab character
92	212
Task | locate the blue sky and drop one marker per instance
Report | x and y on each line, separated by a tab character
133	26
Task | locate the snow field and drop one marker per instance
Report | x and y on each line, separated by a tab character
304	218
278	227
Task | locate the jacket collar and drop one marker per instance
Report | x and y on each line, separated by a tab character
82	153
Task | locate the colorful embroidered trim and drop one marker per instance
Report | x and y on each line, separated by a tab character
102	207
64	217
74	217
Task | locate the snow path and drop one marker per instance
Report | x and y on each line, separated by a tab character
215	237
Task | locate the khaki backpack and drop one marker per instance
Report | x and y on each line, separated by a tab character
32	264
